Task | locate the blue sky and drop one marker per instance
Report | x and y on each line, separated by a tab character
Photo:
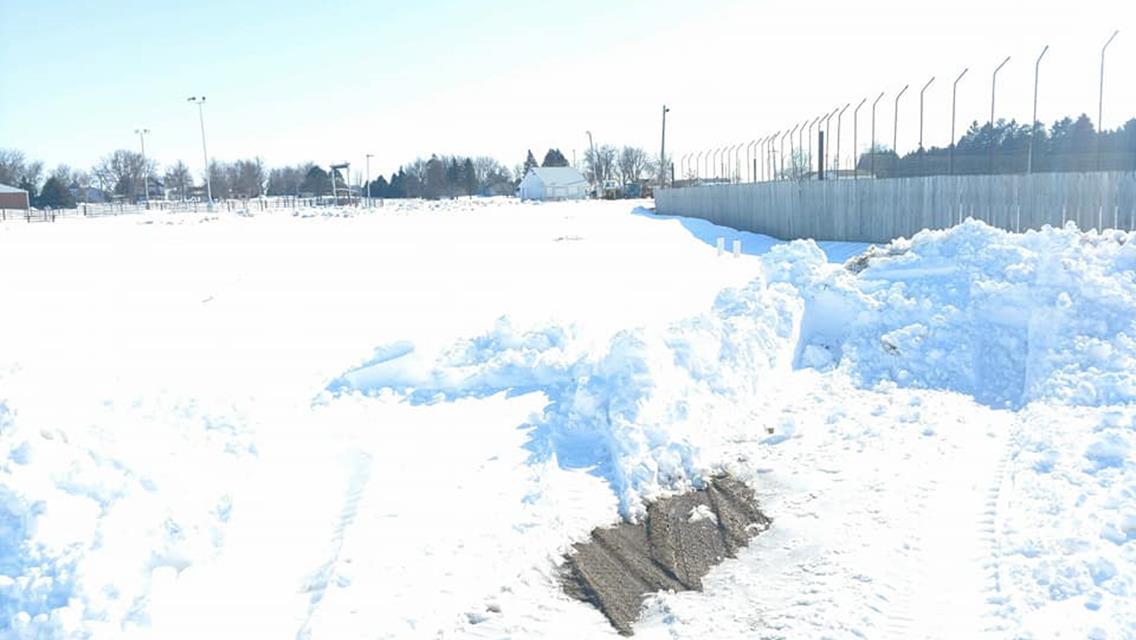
294	81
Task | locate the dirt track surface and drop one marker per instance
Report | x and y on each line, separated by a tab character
677	543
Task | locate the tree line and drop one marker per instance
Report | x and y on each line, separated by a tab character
1068	145
125	175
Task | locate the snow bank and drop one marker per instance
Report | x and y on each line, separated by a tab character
630	412
1006	318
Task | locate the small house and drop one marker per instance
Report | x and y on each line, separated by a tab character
553	183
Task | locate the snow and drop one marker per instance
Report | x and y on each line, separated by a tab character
393	423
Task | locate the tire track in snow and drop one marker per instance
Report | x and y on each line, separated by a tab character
999	609
953	573
316	585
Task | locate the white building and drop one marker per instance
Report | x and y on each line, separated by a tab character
553	183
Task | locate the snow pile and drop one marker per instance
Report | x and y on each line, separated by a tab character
633	413
1005	318
1069	546
88	514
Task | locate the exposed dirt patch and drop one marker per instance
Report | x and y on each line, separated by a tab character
676	544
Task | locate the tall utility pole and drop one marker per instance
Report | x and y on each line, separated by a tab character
954	102
1033	121
142	133
1100	100
993	92
663	151
369	156
592	146
873	150
855	141
200	102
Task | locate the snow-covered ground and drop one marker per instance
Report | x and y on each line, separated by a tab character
342	424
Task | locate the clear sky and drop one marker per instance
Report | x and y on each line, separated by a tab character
330	82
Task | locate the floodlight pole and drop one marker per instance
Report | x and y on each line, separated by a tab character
145	169
1100	99
663	151
954	102
369	156
200	102
592	146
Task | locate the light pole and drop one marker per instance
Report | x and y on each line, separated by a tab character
855	140
954	101
993	93
1100	100
895	130
592	146
663	151
200	102
142	133
839	118
1033	121
369	156
873	149
921	92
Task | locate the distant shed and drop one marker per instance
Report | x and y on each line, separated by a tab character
553	183
13	198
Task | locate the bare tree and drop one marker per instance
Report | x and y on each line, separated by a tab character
122	171
249	178
179	179
633	164
11	166
601	164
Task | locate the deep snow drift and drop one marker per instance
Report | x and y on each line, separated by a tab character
263	426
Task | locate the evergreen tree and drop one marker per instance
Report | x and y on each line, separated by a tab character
397	188
553	158
379	188
435	178
530	163
55	195
317	182
469	177
26	185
